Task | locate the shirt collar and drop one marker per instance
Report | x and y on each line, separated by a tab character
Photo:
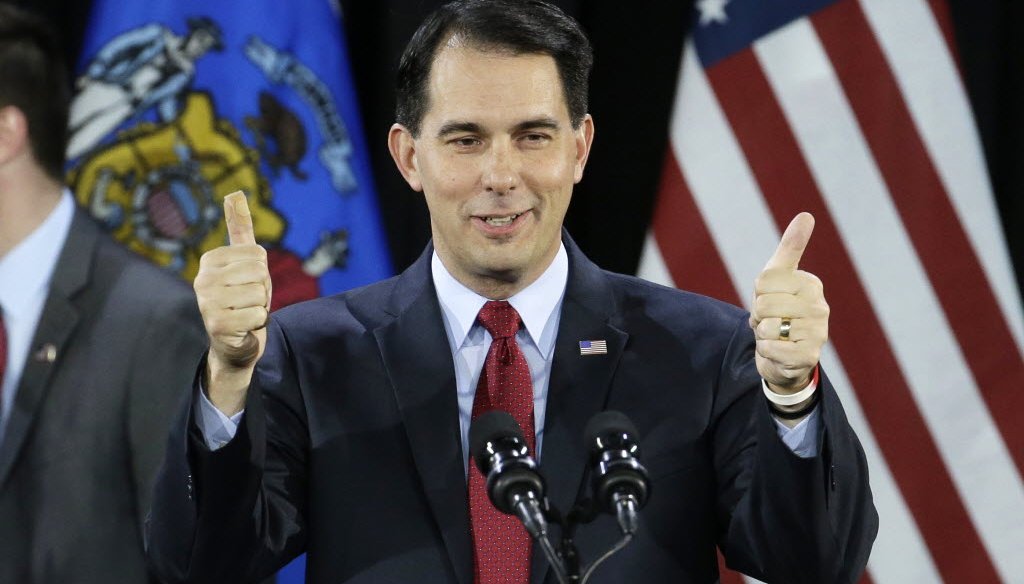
535	304
27	268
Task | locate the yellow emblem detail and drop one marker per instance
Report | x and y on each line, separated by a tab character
159	189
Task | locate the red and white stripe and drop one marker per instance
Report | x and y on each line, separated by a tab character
858	114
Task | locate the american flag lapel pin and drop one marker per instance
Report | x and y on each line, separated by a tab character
599	347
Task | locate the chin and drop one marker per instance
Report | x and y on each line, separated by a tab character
504	270
501	266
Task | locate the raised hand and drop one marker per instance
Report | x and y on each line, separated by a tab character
233	289
789	314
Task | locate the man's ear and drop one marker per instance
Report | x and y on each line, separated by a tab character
13	133
584	138
403	150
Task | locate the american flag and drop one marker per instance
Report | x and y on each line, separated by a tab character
855	110
593	347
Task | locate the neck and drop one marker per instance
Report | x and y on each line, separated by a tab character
26	200
498	285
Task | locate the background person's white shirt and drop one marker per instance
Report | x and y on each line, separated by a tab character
25	275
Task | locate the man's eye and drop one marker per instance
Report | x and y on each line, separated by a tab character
534	138
465	142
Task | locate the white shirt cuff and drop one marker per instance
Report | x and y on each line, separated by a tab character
217	428
793	398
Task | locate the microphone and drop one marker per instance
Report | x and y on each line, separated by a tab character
620	482
514	486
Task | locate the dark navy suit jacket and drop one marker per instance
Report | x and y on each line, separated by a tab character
350	448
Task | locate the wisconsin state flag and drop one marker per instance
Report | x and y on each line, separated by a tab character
181	102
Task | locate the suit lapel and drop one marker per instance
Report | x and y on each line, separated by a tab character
49	343
579	384
416	355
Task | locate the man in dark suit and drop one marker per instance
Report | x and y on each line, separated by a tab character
94	348
347	439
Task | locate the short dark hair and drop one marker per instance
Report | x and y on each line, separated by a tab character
33	78
514	26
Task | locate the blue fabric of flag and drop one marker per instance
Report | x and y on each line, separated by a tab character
180	102
744	22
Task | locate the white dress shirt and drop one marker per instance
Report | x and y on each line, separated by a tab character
539	306
25	274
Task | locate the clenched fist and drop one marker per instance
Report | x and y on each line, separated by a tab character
789	314
233	289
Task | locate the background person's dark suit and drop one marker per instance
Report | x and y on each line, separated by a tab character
350	448
86	432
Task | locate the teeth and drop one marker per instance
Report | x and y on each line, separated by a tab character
500	221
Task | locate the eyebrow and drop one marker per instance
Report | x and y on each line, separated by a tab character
537	124
456	127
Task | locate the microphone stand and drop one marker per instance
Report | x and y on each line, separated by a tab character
530	511
565	561
561	571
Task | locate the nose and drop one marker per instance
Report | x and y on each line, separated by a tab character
499	173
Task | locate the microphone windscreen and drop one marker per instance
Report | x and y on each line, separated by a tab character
490	427
608	422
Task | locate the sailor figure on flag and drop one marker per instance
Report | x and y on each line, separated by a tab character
146	67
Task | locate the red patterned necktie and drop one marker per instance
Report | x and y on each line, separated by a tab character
501	544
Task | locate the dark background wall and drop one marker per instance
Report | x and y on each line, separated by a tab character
637	48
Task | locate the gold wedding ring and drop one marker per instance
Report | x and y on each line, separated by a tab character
784	329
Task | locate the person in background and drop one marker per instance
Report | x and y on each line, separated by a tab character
96	345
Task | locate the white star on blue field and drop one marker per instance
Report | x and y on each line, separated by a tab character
712	11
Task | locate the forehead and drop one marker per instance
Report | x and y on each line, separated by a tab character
482	86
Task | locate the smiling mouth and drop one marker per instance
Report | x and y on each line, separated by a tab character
501	220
